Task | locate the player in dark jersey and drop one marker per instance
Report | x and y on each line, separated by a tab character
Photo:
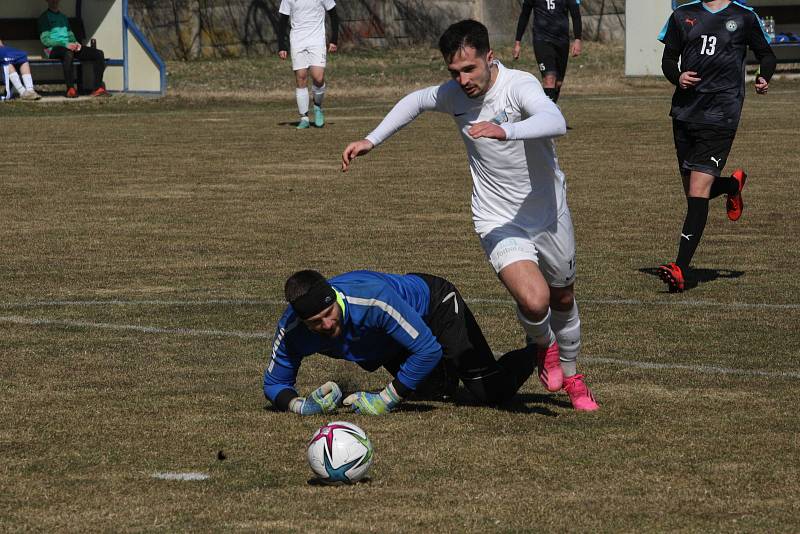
550	32
710	38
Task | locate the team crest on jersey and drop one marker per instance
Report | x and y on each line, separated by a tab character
500	118
731	26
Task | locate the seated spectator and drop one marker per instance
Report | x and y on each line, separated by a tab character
17	60
60	43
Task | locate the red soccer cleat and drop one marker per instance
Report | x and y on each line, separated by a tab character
735	205
549	364
672	275
100	91
579	394
72	93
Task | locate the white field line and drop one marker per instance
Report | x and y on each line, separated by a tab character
704	369
134	328
118	302
498	301
191	476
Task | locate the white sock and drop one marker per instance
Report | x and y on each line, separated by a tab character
567	327
540	332
319	94
15	81
27	79
302	100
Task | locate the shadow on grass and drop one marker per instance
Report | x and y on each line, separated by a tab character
312	127
523	403
320	482
695	277
413	406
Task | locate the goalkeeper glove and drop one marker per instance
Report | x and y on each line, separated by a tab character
324	399
363	402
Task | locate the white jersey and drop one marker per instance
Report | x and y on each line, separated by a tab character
308	21
516	180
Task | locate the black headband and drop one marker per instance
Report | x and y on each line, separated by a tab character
317	298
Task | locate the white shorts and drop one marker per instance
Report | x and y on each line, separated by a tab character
552	249
310	56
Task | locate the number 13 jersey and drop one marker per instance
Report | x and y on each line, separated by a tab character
714	45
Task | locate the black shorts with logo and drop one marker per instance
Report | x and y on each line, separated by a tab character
702	147
552	57
466	355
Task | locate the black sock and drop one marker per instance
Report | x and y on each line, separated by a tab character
693	226
558	93
552	93
724	185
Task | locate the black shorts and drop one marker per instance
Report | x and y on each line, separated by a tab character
453	324
702	147
552	58
466	355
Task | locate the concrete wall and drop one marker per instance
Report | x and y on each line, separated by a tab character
642	50
187	29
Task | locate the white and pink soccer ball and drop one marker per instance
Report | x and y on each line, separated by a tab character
339	453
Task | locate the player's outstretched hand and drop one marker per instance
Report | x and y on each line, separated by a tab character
363	402
688	79
332	48
283	54
486	129
353	150
762	85
517	49
324	399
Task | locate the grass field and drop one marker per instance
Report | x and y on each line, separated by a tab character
145	244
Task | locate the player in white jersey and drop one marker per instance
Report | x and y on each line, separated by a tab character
519	205
307	36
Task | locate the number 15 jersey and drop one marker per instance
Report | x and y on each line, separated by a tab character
714	45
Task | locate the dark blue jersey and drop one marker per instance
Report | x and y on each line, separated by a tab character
714	45
382	319
550	22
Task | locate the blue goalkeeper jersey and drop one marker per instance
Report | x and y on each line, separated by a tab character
382	319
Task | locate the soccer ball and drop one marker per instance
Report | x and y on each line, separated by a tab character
339	453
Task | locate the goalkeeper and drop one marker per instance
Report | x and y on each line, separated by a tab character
416	326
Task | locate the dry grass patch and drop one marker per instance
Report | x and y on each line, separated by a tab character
199	199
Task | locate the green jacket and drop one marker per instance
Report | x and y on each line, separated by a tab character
54	30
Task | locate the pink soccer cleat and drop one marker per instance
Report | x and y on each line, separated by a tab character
580	394
549	365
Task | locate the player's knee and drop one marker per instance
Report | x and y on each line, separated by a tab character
534	307
562	299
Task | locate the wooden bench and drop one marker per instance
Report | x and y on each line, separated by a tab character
23	34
